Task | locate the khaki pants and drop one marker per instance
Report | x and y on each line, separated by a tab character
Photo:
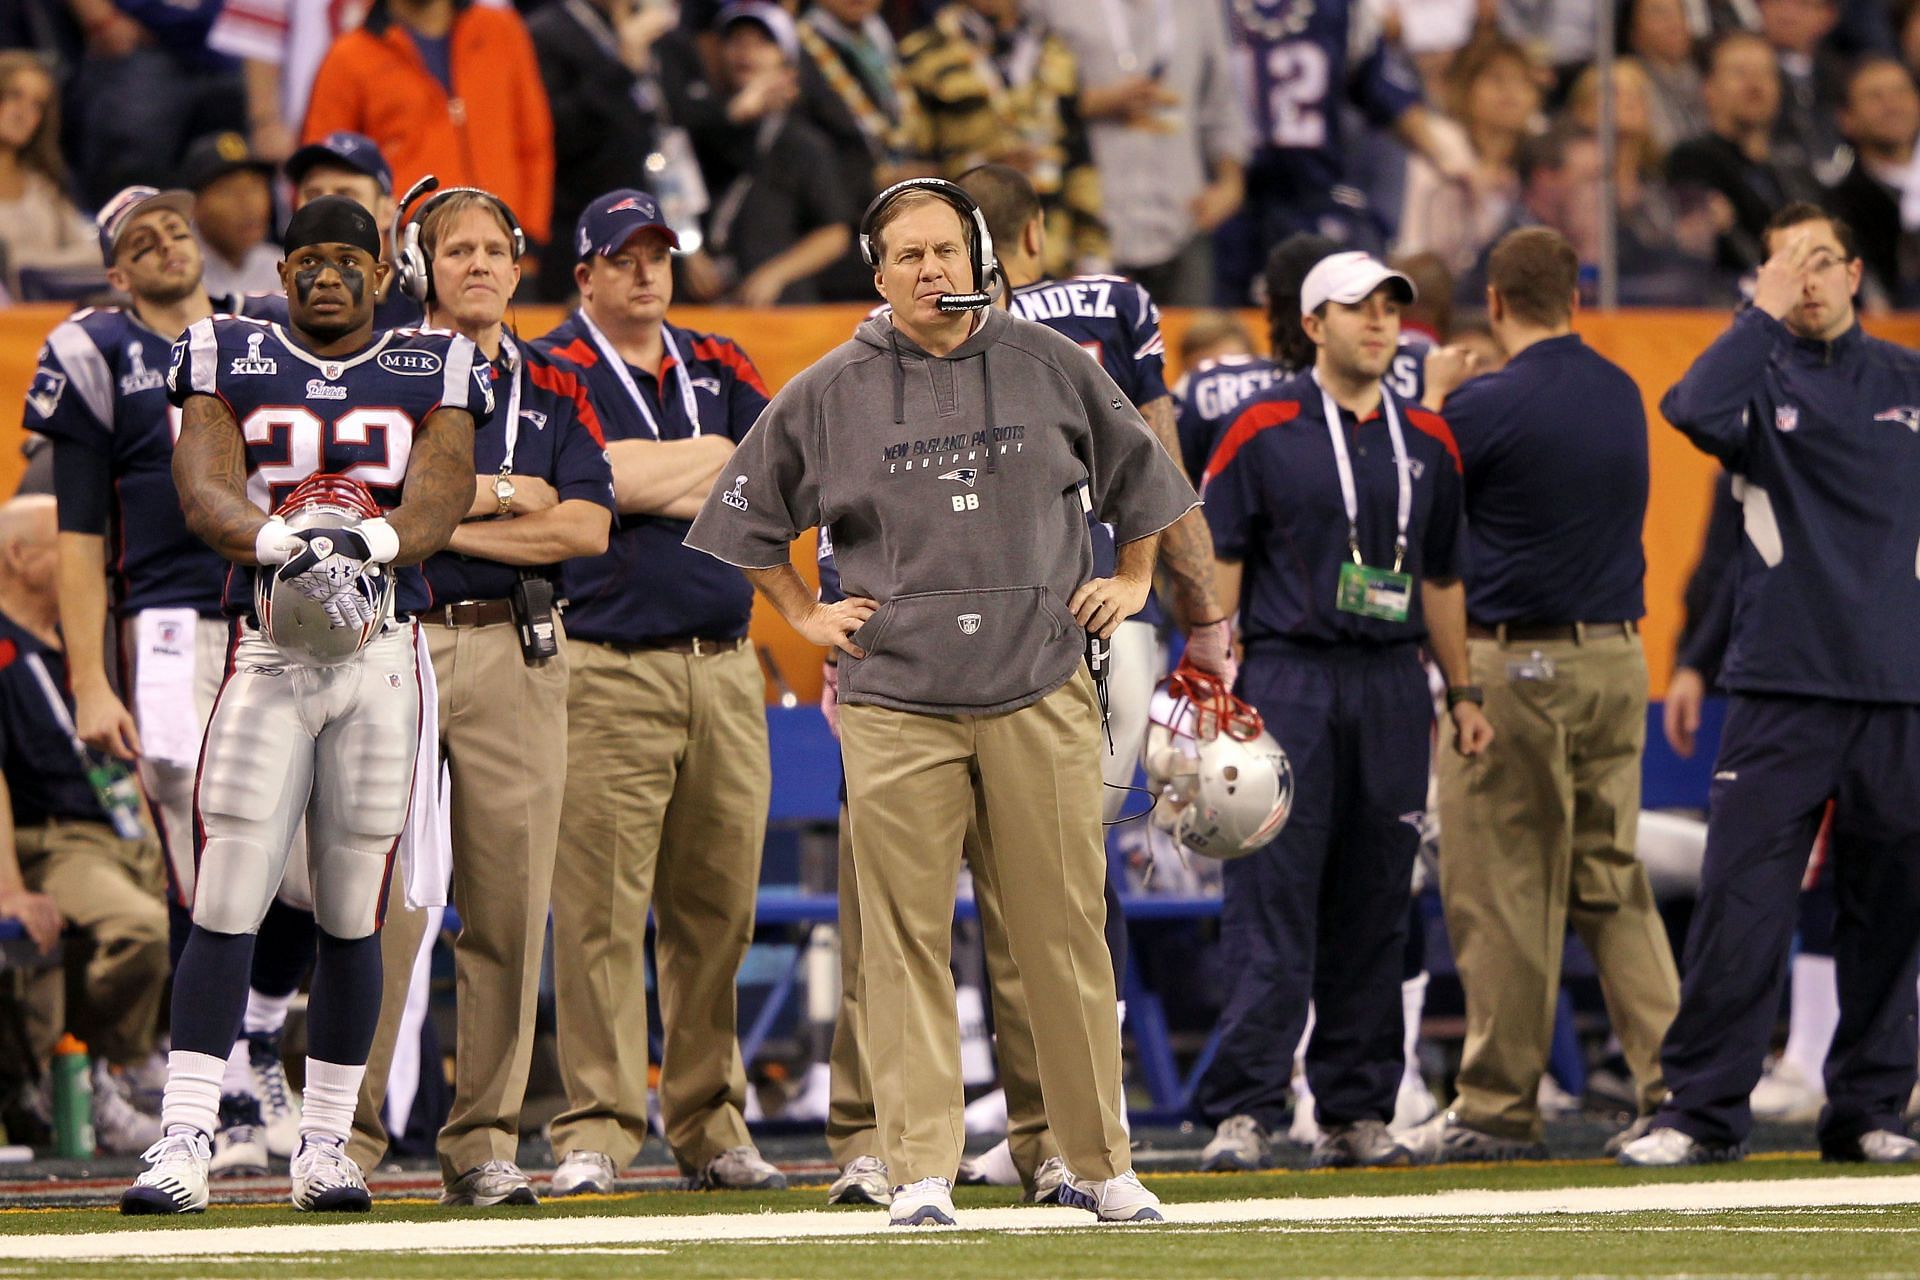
666	808
1030	779
851	1128
1538	834
503	729
114	891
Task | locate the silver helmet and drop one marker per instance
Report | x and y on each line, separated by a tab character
297	626
1222	785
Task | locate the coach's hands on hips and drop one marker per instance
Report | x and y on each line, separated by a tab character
1102	604
1472	732
830	696
831	626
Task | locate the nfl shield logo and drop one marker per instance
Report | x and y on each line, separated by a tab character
393	679
1786	417
969	623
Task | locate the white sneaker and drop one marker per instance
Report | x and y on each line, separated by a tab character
1879	1146
1413	1106
740	1168
1049	1181
490	1183
176	1177
1120	1199
325	1178
1785	1095
1555	1103
863	1181
119	1127
583	1173
926	1203
279	1101
1664	1148
1238	1145
240	1147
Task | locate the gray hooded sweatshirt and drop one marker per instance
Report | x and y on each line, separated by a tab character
951	487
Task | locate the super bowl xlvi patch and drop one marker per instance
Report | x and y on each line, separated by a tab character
253	362
1786	417
43	397
733	497
138	377
969	623
1906	415
321	389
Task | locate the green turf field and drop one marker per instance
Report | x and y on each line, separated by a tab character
1796	1218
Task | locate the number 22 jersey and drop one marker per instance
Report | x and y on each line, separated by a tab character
303	415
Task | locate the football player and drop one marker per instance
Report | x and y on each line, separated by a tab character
100	395
366	444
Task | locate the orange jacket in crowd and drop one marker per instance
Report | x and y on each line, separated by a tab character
494	131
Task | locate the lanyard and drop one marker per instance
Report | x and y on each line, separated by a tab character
1402	471
514	362
1122	30
612	357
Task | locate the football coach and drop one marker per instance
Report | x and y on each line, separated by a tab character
952	450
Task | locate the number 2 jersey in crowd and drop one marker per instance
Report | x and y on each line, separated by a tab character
303	415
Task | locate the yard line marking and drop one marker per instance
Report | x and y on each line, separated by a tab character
521	1233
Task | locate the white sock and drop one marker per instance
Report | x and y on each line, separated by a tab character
995	1164
192	1099
1413	1002
326	1106
1813	1011
238	1077
265	1013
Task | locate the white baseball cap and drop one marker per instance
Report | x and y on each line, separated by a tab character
1349	278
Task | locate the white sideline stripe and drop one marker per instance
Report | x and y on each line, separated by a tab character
521	1233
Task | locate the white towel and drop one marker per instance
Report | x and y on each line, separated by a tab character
163	686
426	846
403	1074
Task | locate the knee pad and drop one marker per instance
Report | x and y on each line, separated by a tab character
348	882
238	874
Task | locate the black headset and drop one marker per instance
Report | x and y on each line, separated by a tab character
413	265
986	268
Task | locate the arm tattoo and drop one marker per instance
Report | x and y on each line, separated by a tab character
439	486
1186	548
210	471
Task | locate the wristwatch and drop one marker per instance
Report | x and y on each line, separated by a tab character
1459	693
503	492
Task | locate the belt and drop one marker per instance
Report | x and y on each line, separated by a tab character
698	646
1537	632
470	613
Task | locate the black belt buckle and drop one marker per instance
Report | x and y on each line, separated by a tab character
532	601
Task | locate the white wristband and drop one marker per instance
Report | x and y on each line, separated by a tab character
381	540
275	543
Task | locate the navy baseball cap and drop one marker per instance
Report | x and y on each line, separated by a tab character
615	218
118	213
215	156
349	150
771	18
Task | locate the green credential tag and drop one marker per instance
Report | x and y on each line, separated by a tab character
1374	593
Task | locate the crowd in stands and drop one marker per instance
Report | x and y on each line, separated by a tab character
1175	142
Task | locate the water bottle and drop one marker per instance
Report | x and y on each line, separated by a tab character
72	1100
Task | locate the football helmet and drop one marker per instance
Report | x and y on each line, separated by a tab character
1222	785
298	626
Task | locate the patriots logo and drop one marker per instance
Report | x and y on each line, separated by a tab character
631	202
965	475
537	418
44	396
709	385
1906	415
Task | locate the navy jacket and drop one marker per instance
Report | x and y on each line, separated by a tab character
1823	440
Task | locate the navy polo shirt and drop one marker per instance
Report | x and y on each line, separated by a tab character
649	586
1555	451
1272	493
43	774
558	441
